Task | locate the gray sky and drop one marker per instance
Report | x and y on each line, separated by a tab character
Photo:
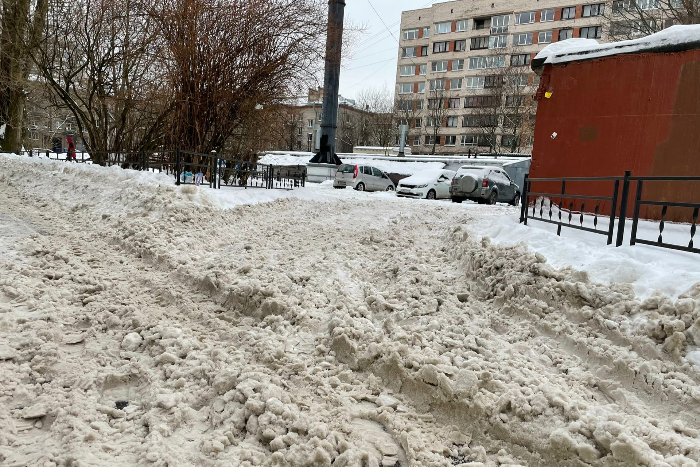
373	62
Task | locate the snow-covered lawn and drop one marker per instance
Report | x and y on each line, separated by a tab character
147	324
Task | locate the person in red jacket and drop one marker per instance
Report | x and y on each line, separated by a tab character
71	149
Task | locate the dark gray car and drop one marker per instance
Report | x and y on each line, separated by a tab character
484	185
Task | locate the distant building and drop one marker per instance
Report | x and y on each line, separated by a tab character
472	60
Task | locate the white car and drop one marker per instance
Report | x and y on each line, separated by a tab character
429	184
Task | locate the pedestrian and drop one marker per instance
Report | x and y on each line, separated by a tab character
71	149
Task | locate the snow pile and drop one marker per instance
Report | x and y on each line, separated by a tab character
401	168
584	49
202	336
285	159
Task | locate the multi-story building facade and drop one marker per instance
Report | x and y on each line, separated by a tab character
464	83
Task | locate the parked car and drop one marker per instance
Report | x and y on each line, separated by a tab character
484	185
362	178
429	184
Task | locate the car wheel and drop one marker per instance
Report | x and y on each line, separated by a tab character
430	195
516	200
390	188
457	200
360	187
493	198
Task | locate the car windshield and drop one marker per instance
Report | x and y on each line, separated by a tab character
345	169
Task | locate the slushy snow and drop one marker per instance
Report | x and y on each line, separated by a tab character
147	324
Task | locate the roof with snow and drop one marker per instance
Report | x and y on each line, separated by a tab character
673	39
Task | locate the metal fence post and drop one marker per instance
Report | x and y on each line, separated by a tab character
178	168
635	219
613	212
563	192
623	208
523	201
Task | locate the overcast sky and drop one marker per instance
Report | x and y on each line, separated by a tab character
373	62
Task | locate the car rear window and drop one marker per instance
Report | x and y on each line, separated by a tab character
346	169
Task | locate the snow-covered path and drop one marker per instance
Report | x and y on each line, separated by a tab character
360	331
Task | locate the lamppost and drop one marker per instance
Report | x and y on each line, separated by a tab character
331	82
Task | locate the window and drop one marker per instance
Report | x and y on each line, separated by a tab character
376	172
416	140
632	28
34	136
437	85
408	52
58	125
475	82
406	88
299	130
592	32
547	15
515	101
450	140
512	121
525	18
494	81
481	23
311	124
480	121
499	24
522	39
405	105
309	137
593	10
407	70
473	102
520	60
475	140
510	141
420	104
545	37
440	47
426	33
410	34
620	6
462	25
565	34
69	126
418	123
498	42
458	65
461	45
430	122
432	139
478	43
568	12
456	84
434	104
517	81
452	121
453	103
421	90
438	67
443	28
423	69
423	52
536	80
481	63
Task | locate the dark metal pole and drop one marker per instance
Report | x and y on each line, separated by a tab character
331	81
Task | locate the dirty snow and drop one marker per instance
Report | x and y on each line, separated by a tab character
141	324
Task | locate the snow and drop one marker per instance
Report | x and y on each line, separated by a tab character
585	49
143	323
388	166
428	176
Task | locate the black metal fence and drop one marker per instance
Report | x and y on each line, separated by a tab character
570	211
194	168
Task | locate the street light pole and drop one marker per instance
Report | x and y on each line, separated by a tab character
331	82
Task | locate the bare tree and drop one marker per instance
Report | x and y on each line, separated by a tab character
630	19
21	26
383	126
436	114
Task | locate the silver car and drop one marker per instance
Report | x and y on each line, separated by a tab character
362	178
484	185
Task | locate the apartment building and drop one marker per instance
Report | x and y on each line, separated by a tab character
464	83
